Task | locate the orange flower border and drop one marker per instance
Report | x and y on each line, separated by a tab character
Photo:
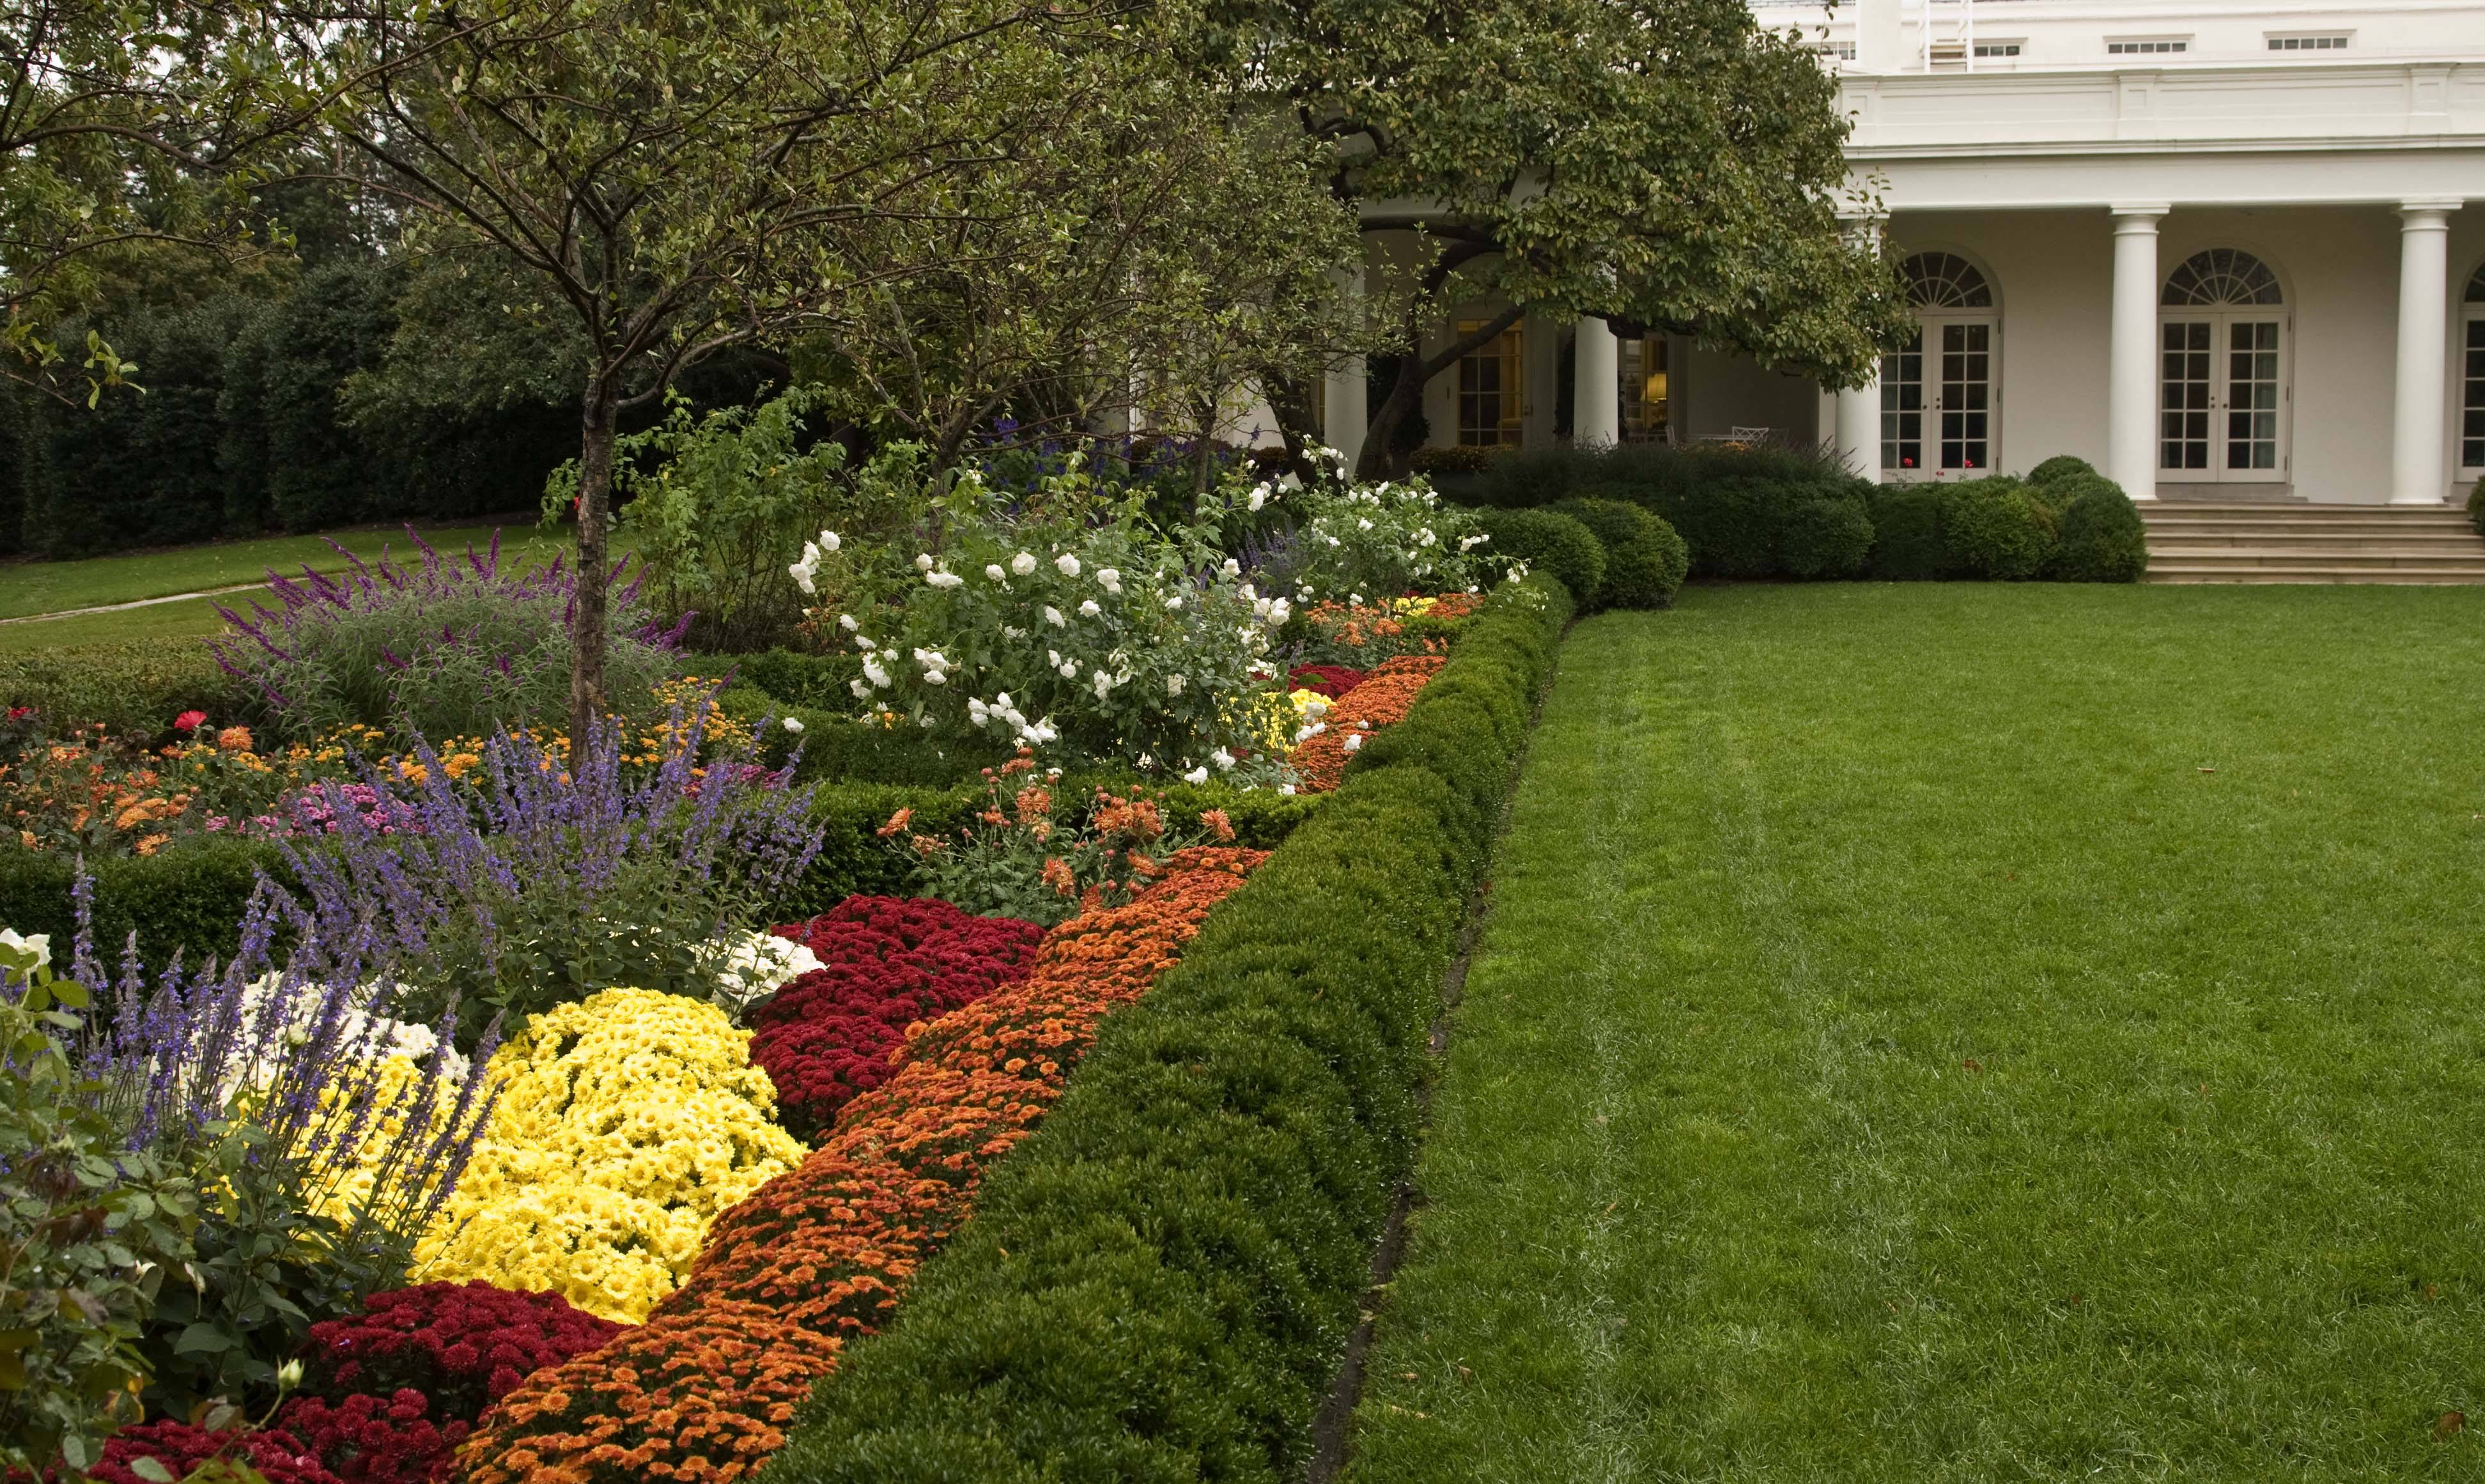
821	1255
1380	700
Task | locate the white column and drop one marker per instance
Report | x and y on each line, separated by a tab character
2131	368
1345	417
1880	37
1859	429
1596	386
1856	432
2417	472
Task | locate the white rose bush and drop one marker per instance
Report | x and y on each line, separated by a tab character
1068	620
1355	544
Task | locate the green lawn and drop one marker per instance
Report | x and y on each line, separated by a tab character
1970	1033
29	587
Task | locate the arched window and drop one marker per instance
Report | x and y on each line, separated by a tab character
2223	379
1945	281
1937	393
2221	276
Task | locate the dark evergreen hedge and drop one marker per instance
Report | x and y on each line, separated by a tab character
1160	1282
1552	542
1645	557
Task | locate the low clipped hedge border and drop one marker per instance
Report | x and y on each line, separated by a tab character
1159	1283
191	895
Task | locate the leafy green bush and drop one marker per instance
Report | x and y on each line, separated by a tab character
1370	541
1907	545
2476	506
2103	539
89	1230
1550	542
1997	528
188	896
134	689
2060	469
1645	557
1824	537
1160	1282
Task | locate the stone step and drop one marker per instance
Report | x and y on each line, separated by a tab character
2380	576
2263	516
2470	561
2345	538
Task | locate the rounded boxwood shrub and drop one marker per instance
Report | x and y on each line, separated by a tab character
1907	544
1645	557
2476	506
1550	542
1824	538
2061	469
2103	539
1997	528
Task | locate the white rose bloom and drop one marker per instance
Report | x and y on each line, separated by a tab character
1173	685
829	542
1259	497
793	723
1223	760
1008	632
924	562
1070	671
1104	683
1355	598
1174	602
1232	568
943	580
863	643
926	720
1111	579
977	712
1053	616
846	621
1198	775
1023	563
1362	525
1288	789
1471	542
1068	564
1354	743
1088	608
872	672
861	690
992	570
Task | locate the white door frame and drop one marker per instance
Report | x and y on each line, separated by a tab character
1932	401
2221	382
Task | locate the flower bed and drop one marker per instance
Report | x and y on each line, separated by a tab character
820	1255
1380	699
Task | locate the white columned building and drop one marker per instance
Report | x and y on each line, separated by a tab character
2221	249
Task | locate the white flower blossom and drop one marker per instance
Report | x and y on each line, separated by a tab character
1362	525
1259	497
872	672
1354	742
1232	568
1023	563
924	562
846	621
943	580
936	677
1174	602
1288	789
1068	565
1104	683
792	723
1088	608
993	572
1111	579
1223	760
864	644
861	691
1173	685
1053	616
1198	775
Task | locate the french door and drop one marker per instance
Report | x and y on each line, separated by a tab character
2472	391
2223	396
1937	401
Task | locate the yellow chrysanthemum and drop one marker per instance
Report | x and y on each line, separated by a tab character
626	1124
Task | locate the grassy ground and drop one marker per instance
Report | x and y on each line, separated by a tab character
1894	1055
28	588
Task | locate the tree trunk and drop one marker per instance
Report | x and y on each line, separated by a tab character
1289	397
586	699
1380	460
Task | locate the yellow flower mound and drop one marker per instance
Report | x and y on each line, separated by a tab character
626	1124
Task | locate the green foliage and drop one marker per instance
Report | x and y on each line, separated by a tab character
1363	543
2103	539
89	1233
2060	469
2476	506
1907	544
187	898
732	497
1645	557
1159	1283
135	690
1997	528
1824	537
1550	542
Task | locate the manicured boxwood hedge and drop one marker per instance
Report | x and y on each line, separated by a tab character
134	689
1159	1283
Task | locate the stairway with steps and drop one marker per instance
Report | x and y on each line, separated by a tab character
2334	543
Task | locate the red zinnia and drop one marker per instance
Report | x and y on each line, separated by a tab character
189	720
